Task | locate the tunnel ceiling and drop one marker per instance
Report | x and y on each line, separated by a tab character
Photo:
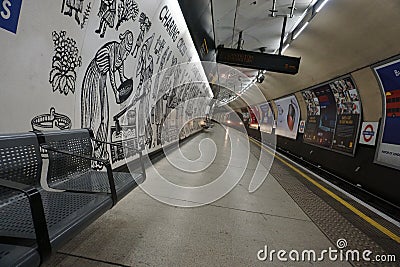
343	37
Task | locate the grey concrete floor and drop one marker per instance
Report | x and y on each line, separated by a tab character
143	231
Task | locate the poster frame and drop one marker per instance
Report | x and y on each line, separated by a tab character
382	119
277	115
268	102
359	121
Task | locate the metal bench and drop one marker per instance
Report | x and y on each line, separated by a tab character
70	165
33	222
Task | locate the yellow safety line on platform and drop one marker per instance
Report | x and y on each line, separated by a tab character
336	197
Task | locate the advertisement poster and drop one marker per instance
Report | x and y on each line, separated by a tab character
266	117
348	115
313	116
288	117
333	115
254	114
245	115
321	121
388	151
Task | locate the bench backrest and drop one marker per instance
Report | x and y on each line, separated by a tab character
61	166
20	159
20	162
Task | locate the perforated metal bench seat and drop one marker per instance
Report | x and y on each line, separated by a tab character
70	164
33	221
11	255
95	181
66	214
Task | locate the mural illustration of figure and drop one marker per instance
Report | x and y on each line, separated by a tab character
157	95
86	15
108	60
107	14
127	9
144	71
165	57
145	25
172	100
158	48
73	5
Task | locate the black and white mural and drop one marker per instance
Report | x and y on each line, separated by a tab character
127	9
65	61
159	47
108	61
51	121
145	25
118	67
144	72
106	14
73	8
86	14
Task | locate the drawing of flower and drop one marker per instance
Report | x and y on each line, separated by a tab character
65	61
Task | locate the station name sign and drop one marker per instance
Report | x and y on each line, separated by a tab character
259	61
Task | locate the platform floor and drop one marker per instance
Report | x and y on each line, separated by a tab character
142	231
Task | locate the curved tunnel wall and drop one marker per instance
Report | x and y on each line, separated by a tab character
84	64
359	169
345	38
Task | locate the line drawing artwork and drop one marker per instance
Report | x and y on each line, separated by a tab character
159	47
108	60
144	71
165	58
107	14
168	90
86	14
125	135
145	25
64	63
73	6
51	120
159	110
172	100
127	9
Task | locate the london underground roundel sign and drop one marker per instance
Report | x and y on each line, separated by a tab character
368	133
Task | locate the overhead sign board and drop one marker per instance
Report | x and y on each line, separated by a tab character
259	61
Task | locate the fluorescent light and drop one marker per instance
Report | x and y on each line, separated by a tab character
299	31
286	46
321	6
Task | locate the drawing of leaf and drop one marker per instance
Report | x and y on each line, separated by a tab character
70	84
56	82
54	78
62	85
